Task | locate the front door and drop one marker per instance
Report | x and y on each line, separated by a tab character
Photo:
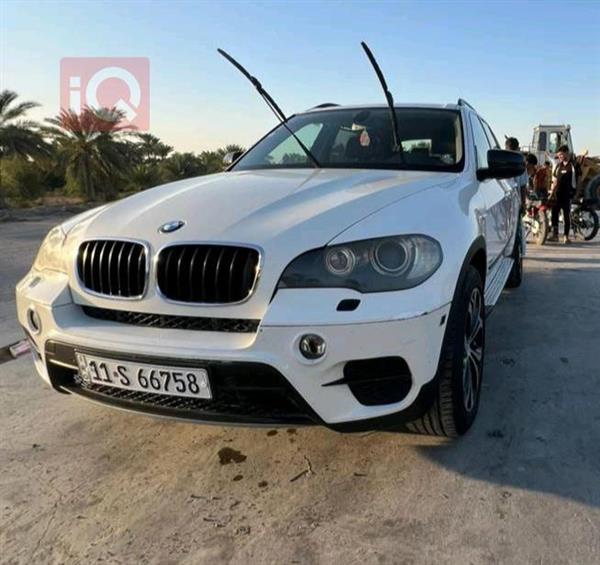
512	197
495	196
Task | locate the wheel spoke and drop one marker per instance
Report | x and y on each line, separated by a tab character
476	354
471	396
473	350
475	373
478	326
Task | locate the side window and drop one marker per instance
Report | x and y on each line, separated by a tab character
490	135
481	142
289	152
542	141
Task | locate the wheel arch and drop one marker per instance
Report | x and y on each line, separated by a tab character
476	256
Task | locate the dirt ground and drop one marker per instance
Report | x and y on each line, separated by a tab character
85	484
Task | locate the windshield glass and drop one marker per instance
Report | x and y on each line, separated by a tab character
362	138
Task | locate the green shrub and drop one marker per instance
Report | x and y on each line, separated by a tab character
21	180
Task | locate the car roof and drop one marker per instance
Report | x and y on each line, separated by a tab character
333	107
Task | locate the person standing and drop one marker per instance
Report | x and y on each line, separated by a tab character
531	168
541	180
520	182
564	182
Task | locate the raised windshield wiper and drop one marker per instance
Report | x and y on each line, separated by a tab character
397	148
270	103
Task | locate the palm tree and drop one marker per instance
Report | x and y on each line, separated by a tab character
213	160
182	166
18	137
231	148
151	148
89	142
143	176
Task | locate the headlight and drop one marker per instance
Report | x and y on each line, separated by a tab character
370	265
50	257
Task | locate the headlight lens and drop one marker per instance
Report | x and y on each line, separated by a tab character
50	257
340	261
370	265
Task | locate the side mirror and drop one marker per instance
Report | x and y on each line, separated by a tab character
231	157
502	164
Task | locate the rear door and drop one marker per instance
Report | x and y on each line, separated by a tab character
494	196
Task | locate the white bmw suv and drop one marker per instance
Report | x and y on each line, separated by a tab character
335	274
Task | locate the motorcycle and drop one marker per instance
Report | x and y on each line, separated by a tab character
536	224
584	220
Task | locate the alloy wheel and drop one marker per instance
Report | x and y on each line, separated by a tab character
473	353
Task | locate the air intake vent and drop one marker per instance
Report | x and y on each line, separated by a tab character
113	267
209	274
233	325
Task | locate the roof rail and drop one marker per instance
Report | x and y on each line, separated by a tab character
463	102
324	105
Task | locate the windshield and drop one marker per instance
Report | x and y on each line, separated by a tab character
362	138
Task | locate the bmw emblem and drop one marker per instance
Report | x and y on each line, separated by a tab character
172	226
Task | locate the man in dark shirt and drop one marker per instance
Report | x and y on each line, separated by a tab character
562	191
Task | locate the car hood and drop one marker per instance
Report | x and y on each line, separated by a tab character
260	207
284	212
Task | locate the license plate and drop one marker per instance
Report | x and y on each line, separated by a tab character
144	377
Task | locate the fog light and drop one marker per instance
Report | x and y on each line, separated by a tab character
33	321
312	346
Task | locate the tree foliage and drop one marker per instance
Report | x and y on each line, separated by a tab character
89	145
19	139
22	180
91	154
18	136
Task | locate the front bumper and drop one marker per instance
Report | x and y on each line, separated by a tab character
318	391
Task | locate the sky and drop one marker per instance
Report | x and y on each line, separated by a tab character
519	63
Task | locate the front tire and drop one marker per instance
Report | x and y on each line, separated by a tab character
460	371
536	228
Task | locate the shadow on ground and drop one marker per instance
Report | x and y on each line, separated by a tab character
540	409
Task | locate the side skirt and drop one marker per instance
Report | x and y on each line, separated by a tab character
496	281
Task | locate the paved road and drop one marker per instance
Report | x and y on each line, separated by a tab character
83	484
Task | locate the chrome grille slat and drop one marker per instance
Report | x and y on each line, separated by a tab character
120	269
231	271
141	271
100	270
204	269
207	273
82	258
92	264
113	267
179	273
191	273
170	253
110	267
247	271
217	268
129	270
